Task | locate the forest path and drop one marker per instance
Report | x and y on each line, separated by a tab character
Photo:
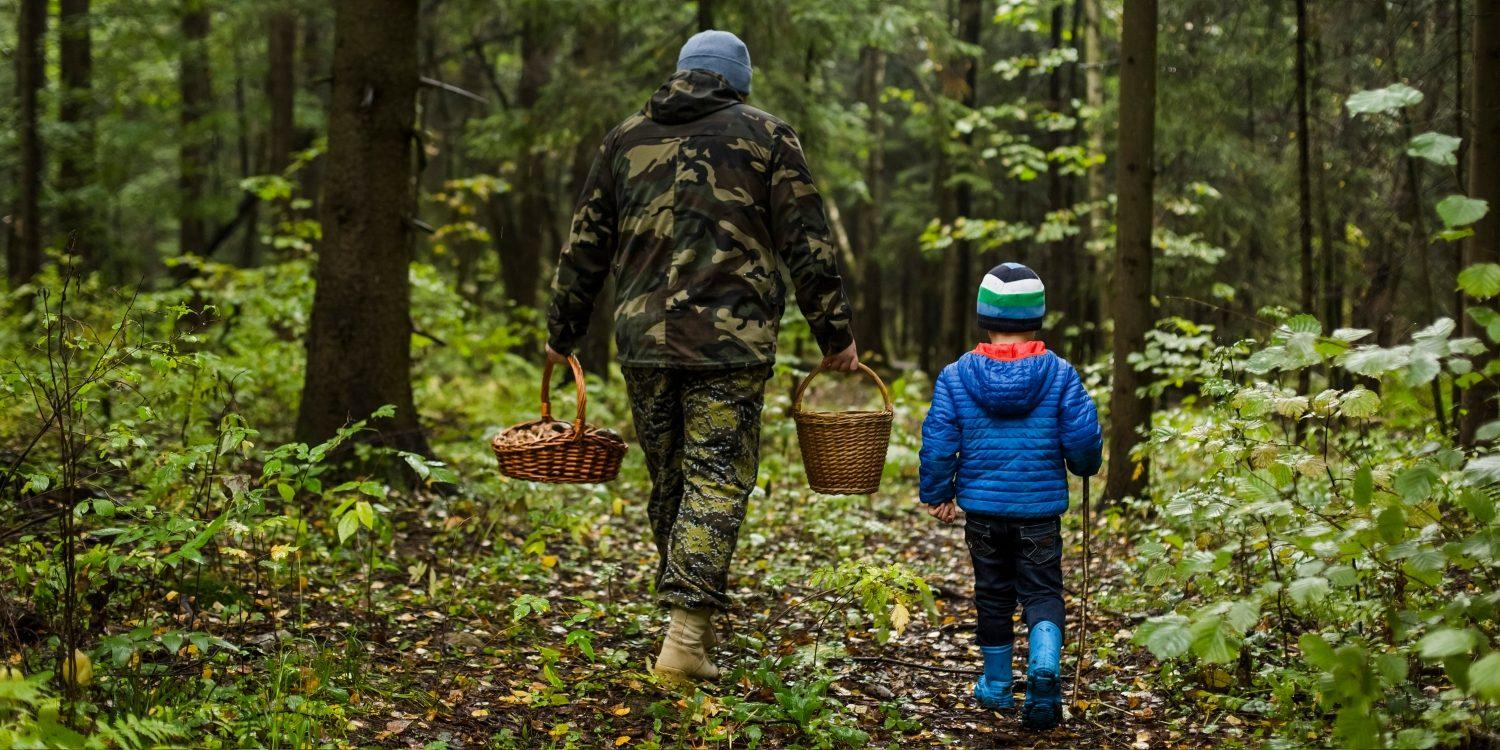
479	676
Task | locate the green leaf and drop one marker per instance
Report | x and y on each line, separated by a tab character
1484	677
1487	318
1309	589
1445	642
1392	667
1212	640
1438	148
1394	96
1317	651
1304	323
1374	361
1479	504
1415	739
1391	523
1168	636
1364	486
1460	210
366	513
417	463
1158	574
1488	431
1480	281
1359	403
1244	614
348	524
1415	484
1484	469
1422	369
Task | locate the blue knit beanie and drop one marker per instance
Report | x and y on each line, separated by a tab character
1012	299
720	52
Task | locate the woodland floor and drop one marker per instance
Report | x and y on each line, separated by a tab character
457	668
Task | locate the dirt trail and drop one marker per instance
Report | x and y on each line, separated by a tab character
483	682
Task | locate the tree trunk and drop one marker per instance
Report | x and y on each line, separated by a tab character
281	87
359	335
1307	299
869	323
1064	261
705	14
24	253
1130	409
962	281
1095	221
249	215
1484	184
933	312
315	81
597	47
1460	128
521	264
1331	266
194	154
75	166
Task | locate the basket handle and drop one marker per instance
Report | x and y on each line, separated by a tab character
547	394
885	393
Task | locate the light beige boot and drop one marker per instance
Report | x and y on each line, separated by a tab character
684	652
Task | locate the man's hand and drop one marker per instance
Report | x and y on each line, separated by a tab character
844	361
945	512
555	358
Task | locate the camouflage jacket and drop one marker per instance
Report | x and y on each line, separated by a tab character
694	204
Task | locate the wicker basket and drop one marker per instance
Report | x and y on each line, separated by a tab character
574	455
844	452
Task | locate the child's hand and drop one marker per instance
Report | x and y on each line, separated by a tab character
945	512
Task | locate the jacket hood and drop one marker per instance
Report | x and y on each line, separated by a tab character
689	95
1007	387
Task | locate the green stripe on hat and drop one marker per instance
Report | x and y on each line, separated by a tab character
1022	299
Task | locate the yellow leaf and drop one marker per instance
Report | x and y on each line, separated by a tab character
549	561
559	730
621	740
479	713
900	617
621	711
79	670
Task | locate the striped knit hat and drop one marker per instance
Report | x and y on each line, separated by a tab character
1012	299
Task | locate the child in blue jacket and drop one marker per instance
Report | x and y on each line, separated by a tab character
1008	420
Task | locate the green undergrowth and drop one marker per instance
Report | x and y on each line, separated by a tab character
1314	565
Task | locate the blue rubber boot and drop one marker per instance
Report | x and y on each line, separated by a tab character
1043	708
992	690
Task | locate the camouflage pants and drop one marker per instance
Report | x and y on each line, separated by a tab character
700	431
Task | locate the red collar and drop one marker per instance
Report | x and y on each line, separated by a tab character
1010	352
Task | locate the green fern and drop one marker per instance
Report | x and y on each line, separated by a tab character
130	732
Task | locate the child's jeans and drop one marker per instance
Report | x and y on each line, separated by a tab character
1015	560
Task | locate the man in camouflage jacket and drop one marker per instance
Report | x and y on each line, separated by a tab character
694	204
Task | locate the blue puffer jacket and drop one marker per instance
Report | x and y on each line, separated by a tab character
1005	421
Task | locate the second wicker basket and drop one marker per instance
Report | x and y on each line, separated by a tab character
843	452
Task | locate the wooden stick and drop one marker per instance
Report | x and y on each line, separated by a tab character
1083	609
917	665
